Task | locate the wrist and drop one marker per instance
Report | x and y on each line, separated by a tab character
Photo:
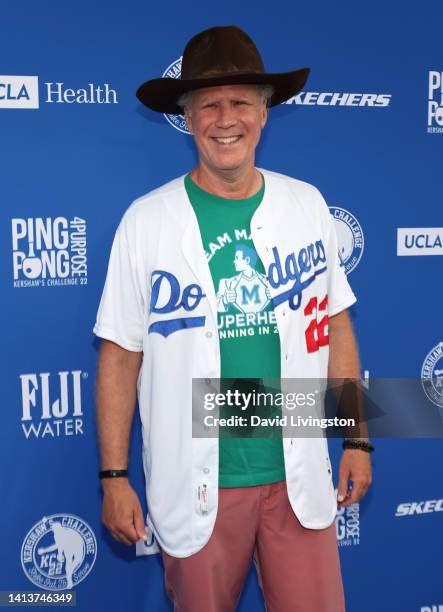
113	473
358	444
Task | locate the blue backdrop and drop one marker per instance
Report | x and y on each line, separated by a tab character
77	148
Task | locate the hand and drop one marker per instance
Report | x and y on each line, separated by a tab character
355	465
122	512
230	296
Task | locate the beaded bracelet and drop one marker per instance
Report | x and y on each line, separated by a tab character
363	445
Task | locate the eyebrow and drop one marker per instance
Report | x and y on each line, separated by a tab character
242	97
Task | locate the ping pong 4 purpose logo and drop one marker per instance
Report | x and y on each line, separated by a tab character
435	102
49	251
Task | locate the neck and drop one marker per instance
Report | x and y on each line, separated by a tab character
232	184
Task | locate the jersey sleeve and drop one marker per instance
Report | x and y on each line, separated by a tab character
120	313
340	294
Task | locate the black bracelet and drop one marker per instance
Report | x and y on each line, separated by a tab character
112	473
359	444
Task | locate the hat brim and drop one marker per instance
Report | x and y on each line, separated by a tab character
161	94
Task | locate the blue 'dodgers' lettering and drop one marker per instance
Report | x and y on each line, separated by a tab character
173	299
279	275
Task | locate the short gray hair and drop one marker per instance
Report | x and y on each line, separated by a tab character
264	91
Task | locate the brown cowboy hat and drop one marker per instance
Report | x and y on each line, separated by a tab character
219	56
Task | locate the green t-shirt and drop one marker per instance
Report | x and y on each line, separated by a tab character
248	335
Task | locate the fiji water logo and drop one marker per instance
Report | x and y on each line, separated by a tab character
349	236
435	102
173	71
52	405
167	297
347	523
49	252
19	92
58	552
432	375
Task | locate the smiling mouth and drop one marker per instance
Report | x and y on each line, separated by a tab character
226	139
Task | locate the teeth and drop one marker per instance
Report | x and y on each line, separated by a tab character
227	139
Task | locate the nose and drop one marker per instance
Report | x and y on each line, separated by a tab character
226	116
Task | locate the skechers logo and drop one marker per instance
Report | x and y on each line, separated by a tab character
167	297
293	268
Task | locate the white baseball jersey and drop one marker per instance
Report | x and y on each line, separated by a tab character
159	298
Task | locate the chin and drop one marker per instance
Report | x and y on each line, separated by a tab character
229	164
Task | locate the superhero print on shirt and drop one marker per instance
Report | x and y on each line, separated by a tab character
244	299
248	290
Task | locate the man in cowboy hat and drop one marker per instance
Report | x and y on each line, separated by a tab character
262	245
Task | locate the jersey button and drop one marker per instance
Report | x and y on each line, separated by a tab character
208	334
206	470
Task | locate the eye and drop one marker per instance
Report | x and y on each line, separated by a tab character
239	102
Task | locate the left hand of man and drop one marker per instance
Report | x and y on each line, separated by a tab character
355	465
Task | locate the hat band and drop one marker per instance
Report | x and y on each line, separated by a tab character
208	74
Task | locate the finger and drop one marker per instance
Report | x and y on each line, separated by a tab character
359	491
139	523
122	536
355	494
130	532
116	535
342	487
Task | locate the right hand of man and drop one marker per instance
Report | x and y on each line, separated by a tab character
122	512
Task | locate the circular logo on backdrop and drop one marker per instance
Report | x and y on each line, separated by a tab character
432	375
349	236
173	71
58	552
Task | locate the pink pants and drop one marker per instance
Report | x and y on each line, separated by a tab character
298	569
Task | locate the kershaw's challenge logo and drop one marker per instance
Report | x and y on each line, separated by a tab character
58	552
297	270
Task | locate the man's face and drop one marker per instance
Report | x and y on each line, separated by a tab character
240	263
226	122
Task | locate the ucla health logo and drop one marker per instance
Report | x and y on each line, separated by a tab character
173	71
58	552
350	237
22	92
18	92
435	102
347	523
49	252
52	404
432	375
419	241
